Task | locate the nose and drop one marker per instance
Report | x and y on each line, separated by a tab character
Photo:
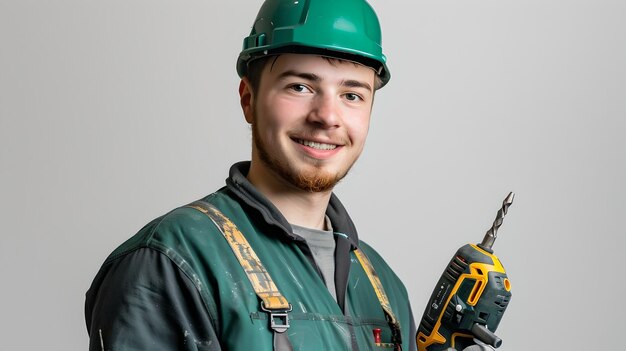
325	112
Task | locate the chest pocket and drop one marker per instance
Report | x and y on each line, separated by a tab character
274	305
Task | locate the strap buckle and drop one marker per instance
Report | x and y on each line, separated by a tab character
279	319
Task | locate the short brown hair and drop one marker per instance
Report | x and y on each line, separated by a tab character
255	70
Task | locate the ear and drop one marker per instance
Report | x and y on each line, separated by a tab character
246	99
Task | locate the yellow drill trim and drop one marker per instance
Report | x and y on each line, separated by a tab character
480	273
459	335
497	265
258	276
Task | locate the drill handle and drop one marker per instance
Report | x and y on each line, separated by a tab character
485	335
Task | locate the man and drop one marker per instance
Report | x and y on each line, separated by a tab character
272	261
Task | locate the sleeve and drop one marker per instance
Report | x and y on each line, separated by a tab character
143	301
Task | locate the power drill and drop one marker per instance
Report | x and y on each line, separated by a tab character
470	298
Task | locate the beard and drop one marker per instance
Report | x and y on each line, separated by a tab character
313	180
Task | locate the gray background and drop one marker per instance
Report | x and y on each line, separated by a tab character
113	112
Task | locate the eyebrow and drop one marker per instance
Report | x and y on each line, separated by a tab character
307	76
356	84
351	83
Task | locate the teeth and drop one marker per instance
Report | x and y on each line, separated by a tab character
319	146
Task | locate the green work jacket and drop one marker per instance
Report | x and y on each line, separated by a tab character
177	285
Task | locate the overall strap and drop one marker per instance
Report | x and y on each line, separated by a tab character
396	336
272	301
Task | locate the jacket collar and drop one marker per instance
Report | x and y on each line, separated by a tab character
239	185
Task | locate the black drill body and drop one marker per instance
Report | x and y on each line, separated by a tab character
470	297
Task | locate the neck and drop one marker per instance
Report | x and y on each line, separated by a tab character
300	207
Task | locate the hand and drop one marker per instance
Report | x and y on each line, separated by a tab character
479	346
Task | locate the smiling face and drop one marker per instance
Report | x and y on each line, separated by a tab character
310	116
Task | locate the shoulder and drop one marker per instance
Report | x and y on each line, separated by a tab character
386	274
174	230
172	247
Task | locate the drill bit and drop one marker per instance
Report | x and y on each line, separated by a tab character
491	235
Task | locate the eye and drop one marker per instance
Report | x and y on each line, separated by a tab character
353	97
299	88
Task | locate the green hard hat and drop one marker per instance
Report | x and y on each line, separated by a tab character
345	29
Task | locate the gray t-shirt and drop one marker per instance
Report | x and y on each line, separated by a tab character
322	245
